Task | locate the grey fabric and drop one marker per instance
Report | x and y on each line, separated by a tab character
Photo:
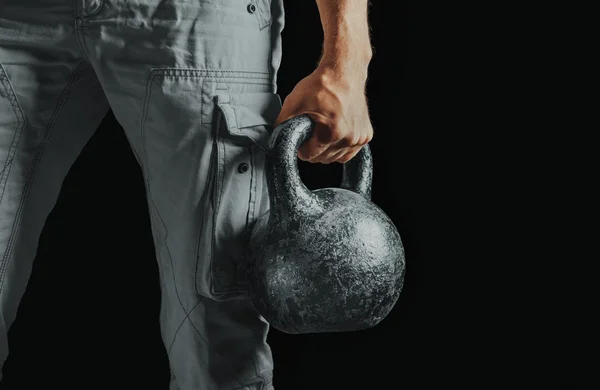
193	84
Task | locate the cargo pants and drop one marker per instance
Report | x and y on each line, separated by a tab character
193	84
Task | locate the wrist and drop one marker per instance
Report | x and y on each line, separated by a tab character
346	52
342	79
345	42
340	66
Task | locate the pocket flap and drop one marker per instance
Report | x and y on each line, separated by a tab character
250	115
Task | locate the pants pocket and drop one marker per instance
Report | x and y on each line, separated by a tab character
239	194
202	142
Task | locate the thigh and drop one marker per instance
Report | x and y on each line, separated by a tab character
203	152
50	105
193	83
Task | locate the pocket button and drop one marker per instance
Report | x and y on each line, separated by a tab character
242	168
251	8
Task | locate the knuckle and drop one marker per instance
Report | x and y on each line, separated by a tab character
324	79
336	134
346	142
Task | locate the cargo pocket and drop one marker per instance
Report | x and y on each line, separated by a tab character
12	121
242	124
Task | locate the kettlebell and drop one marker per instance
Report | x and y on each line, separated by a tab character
328	260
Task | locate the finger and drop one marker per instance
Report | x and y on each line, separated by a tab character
347	145
333	154
349	149
338	142
313	147
349	155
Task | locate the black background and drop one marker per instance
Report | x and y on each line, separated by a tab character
90	313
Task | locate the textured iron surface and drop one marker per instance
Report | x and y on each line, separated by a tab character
328	260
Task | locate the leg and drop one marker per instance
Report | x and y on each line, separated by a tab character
50	105
193	85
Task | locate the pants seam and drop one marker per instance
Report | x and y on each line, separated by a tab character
151	203
80	37
18	131
146	174
62	101
187	316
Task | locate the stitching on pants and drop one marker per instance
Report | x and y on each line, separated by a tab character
212	73
263	15
64	97
206	193
253	190
181	303
203	113
215	151
147	180
163	73
18	131
187	318
151	201
157	73
250	211
187	315
217	195
79	35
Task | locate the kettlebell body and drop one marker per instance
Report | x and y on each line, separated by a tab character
328	260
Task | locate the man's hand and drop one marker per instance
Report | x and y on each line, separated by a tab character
338	106
334	94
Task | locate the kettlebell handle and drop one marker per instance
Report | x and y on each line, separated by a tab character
287	192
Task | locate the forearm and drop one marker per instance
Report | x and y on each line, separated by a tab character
346	43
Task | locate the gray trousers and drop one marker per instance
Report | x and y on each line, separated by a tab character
193	84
